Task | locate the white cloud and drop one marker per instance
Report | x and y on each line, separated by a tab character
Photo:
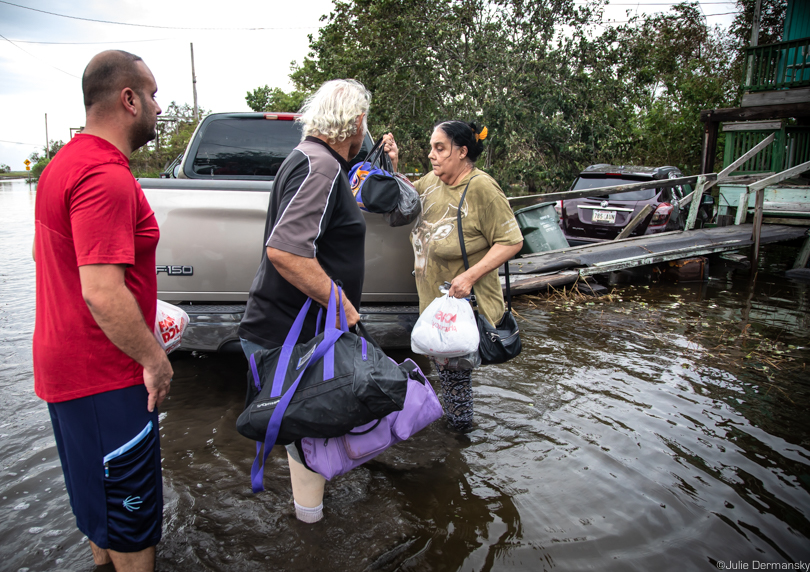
228	63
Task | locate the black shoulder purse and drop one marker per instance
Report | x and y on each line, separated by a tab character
501	342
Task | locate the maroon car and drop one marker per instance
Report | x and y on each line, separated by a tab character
603	217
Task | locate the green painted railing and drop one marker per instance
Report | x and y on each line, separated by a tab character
778	66
790	147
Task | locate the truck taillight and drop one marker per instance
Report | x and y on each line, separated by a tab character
558	206
281	116
661	215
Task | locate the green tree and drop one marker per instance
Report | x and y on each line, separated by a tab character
496	63
678	67
555	95
267	99
39	166
53	148
41	158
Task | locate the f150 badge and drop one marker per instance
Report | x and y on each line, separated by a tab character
176	270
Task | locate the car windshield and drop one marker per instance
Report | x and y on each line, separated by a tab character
583	183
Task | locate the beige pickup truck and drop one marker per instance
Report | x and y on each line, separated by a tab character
212	210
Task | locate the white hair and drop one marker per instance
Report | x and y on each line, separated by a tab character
332	111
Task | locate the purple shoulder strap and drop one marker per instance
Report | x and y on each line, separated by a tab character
325	348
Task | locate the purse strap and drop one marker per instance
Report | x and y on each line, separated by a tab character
385	161
464	254
377	154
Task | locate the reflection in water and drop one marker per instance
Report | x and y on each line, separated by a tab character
377	514
661	428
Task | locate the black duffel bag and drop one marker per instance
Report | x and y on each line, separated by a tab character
377	188
322	388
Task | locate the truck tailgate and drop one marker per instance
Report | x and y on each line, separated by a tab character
211	235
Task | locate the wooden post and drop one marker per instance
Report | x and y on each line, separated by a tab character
749	60
710	129
631	226
804	254
742	207
755	26
760	200
697	197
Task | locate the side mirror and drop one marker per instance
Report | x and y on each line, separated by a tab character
176	170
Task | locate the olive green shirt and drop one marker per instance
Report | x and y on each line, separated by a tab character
487	219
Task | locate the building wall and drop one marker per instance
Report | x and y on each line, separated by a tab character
797	20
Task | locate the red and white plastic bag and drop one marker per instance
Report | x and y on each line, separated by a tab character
446	328
170	323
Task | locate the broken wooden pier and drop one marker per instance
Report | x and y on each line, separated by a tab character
558	268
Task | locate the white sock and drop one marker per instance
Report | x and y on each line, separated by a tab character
309	515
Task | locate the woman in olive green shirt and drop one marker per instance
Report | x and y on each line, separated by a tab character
491	237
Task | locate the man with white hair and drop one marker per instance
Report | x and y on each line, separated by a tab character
315	234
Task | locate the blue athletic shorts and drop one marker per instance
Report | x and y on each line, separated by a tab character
110	451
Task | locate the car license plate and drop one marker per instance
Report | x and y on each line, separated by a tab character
604	216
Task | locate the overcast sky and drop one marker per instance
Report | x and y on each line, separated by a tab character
238	45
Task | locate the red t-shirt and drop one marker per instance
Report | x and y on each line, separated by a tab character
89	210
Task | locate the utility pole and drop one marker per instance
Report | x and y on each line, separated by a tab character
755	27
194	84
47	147
749	76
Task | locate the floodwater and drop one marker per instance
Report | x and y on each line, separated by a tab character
661	428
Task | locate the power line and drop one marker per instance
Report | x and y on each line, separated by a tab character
20	143
91	43
146	25
36	58
631	21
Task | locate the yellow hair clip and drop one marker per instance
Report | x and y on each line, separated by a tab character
481	136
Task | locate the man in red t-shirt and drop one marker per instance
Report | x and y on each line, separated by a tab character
96	360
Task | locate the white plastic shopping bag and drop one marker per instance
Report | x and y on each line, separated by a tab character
446	328
170	323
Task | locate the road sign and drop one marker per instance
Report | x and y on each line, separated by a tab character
27	168
27	162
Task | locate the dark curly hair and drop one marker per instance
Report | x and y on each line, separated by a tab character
462	134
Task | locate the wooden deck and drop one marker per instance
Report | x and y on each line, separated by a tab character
558	268
782	201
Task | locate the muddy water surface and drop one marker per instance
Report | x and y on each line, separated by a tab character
662	428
